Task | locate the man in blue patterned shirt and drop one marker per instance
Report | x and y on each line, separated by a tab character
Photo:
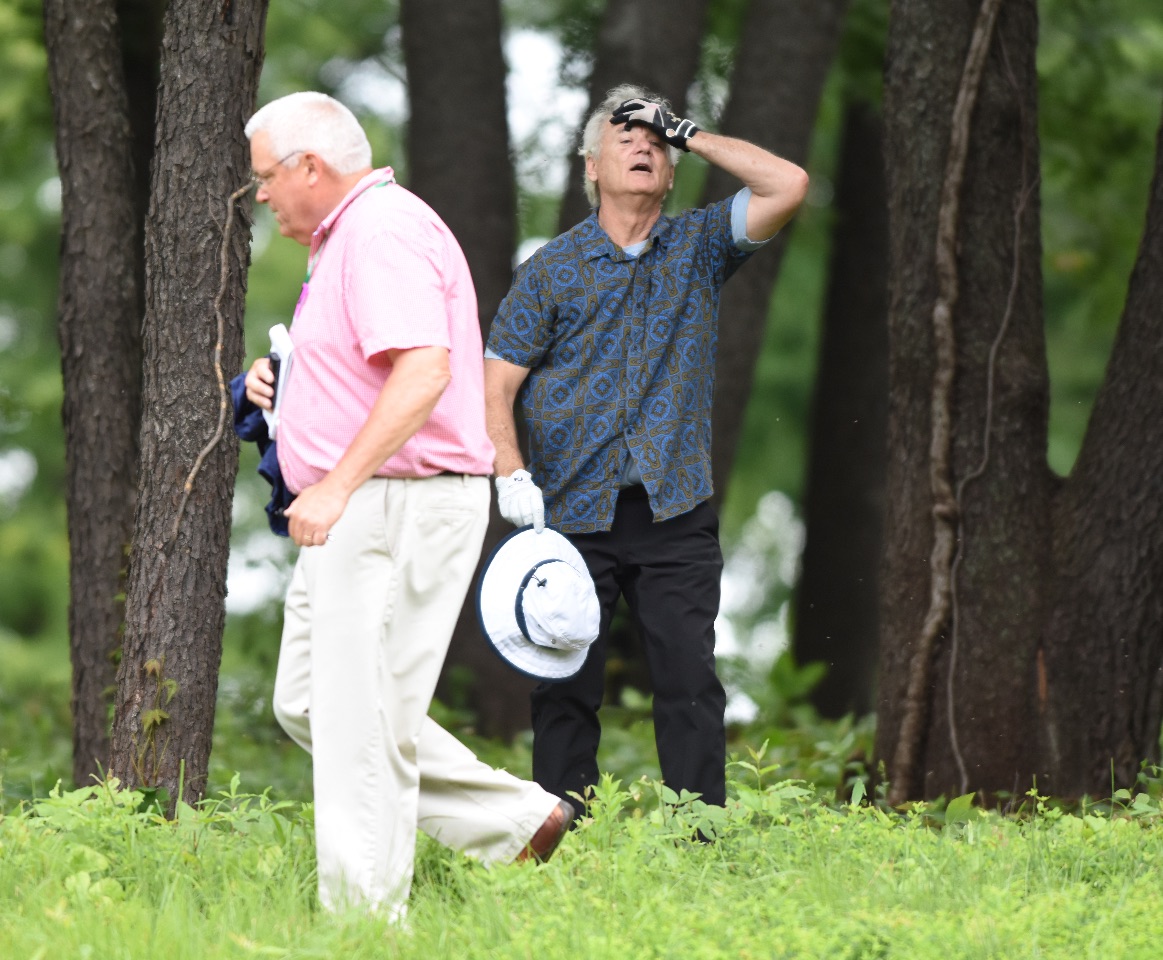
607	337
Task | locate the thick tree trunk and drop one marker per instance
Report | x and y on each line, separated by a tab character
99	319
977	719
836	598
784	57
195	282
456	89
1100	668
1051	663
654	43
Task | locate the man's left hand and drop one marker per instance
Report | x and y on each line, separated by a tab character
313	513
674	130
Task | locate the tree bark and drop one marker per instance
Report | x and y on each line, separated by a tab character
458	133
976	733
1099	670
1050	665
98	323
197	252
784	57
456	90
654	43
836	597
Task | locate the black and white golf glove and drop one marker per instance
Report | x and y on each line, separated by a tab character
674	130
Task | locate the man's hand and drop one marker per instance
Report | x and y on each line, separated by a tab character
260	383
674	130
314	512
520	500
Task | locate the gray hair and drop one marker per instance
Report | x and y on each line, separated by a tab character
317	123
591	144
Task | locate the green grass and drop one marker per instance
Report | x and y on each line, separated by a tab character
89	874
797	869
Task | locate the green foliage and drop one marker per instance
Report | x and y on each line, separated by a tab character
1100	68
861	57
35	722
97	873
33	551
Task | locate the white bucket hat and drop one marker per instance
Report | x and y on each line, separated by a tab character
537	604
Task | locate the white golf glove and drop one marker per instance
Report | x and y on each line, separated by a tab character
520	500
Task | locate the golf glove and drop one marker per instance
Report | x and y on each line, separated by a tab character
520	500
674	130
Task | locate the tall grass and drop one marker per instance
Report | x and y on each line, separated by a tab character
96	874
803	865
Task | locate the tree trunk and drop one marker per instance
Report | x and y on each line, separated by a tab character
977	729
458	133
456	90
98	323
1099	671
784	57
1050	664
836	598
654	43
195	283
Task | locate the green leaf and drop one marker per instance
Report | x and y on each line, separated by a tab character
857	793
153	718
960	809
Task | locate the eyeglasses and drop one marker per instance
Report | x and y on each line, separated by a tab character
263	179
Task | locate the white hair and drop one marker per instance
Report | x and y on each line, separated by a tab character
314	122
591	144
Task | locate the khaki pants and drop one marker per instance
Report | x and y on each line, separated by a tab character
368	620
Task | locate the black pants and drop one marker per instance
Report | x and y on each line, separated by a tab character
669	573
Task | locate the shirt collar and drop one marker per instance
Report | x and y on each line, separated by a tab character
593	242
376	178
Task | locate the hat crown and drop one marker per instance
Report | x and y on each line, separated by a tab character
537	604
557	606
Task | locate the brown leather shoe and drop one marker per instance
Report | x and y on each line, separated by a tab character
549	834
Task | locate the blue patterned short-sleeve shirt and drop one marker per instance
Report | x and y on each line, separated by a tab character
621	358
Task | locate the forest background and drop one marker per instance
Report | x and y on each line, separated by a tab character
1100	72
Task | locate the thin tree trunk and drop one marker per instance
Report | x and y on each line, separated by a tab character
784	57
836	598
654	43
98	323
459	162
458	133
195	282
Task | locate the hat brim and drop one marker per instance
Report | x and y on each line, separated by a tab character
497	589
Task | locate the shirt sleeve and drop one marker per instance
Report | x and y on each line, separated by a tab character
395	287
739	222
523	326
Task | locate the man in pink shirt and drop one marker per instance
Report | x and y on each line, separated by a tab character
381	434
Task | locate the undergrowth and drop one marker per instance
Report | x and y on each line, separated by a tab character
98	873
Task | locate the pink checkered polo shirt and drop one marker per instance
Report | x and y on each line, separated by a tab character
386	274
